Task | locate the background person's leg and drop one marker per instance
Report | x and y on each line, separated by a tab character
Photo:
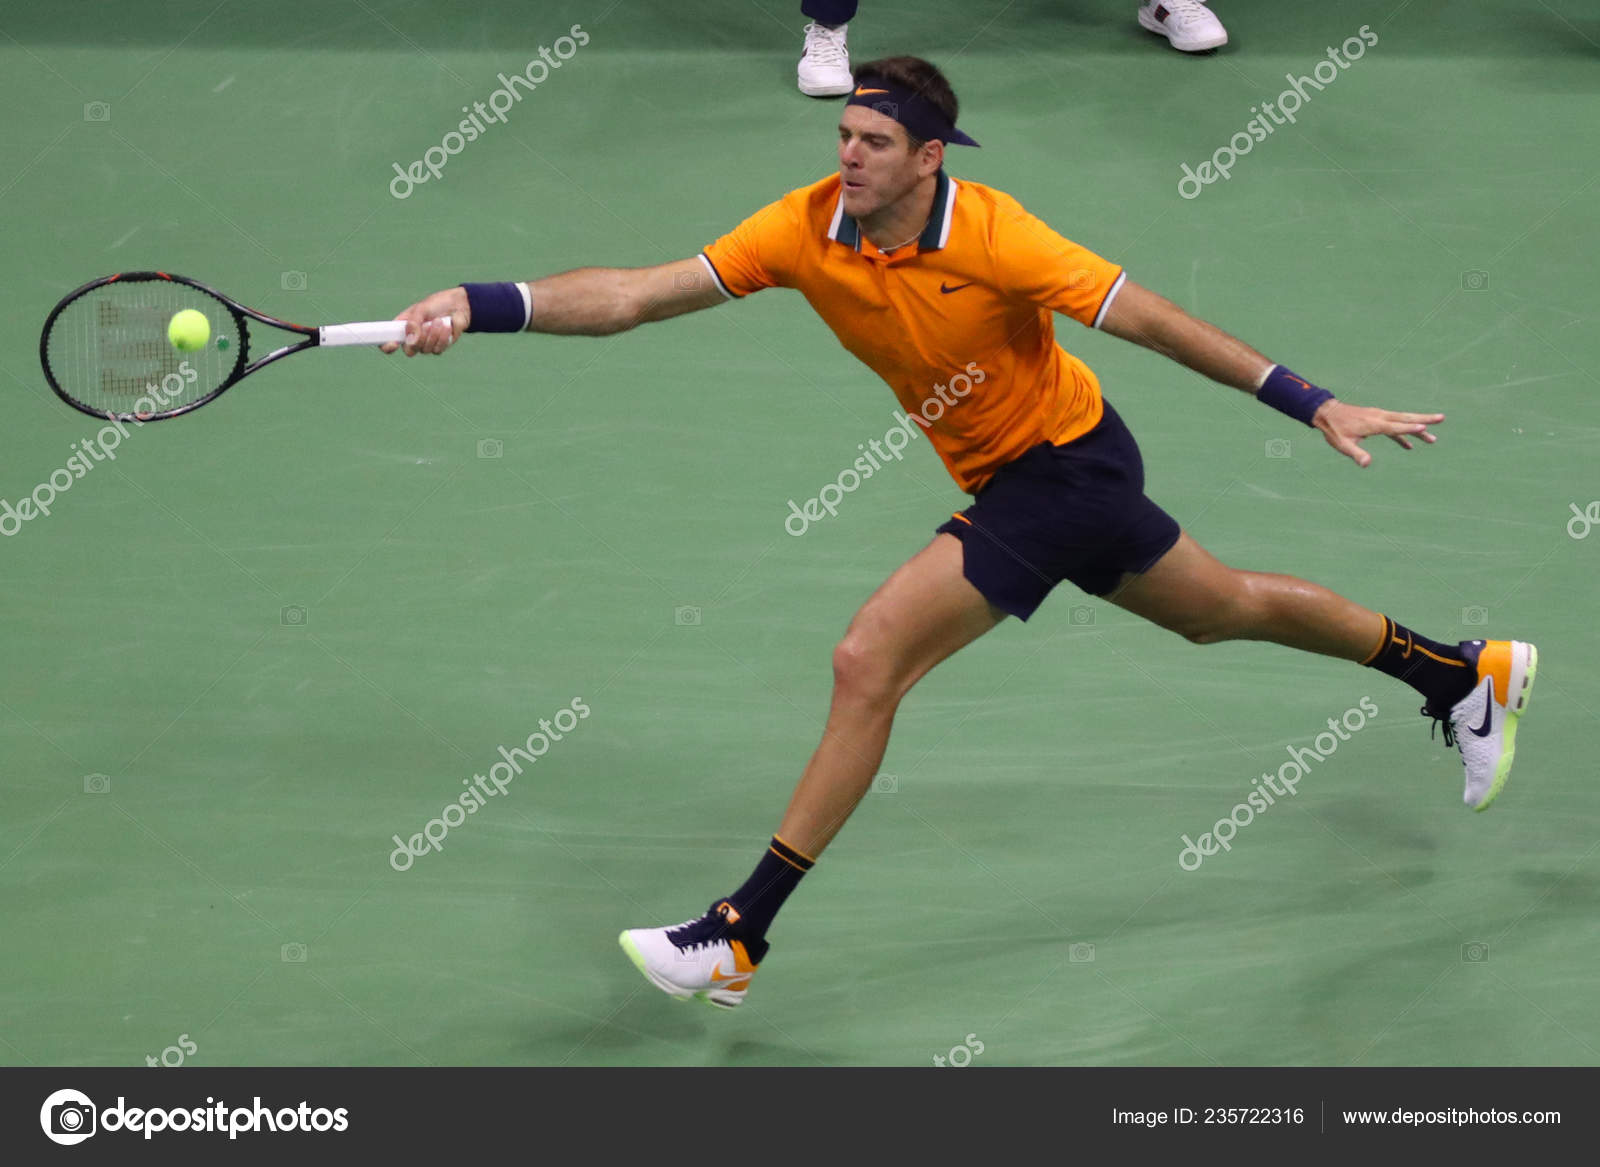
829	12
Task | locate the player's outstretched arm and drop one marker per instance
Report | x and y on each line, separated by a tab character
1141	316
591	301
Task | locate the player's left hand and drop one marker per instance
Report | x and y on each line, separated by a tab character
1345	426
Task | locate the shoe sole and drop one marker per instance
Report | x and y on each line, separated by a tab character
676	992
825	91
1502	771
1150	24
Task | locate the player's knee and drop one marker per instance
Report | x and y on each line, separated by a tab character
863	668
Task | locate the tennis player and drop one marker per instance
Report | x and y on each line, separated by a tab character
946	290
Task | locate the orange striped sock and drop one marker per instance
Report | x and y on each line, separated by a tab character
756	903
1440	672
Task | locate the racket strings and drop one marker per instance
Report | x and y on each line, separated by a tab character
109	350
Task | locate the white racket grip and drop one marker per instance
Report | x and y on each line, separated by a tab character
366	332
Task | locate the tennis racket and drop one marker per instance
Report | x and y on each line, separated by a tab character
105	350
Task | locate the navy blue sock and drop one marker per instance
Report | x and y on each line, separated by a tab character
1440	672
751	910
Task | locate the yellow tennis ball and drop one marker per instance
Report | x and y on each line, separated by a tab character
189	330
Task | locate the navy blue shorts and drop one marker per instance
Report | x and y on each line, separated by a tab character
1075	512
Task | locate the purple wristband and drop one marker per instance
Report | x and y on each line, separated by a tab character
1293	395
495	308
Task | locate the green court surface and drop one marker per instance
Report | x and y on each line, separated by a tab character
271	636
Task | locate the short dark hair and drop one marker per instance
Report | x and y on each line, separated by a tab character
921	77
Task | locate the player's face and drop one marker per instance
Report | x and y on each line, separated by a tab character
876	162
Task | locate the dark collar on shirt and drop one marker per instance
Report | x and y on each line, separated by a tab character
844	229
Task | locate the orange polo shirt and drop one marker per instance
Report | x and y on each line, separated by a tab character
958	324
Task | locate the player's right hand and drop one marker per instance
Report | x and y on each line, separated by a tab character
427	333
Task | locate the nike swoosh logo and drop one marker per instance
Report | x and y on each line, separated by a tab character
860	92
1488	714
947	289
717	977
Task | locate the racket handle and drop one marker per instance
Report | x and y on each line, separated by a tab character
366	332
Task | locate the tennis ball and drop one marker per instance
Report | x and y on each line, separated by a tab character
189	330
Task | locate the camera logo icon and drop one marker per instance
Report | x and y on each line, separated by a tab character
1474	281
886	784
1278	447
1474	615
292	616
96	111
1474	952
96	784
1584	521
686	617
293	953
688	281
1080	615
293	281
1081	954
68	1117
490	447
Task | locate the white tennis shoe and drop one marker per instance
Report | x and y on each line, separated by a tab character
1483	724
697	959
825	62
1188	24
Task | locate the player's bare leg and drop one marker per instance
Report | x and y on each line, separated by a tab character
1477	689
922	614
1192	593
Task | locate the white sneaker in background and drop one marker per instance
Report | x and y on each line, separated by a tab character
1188	24
825	62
